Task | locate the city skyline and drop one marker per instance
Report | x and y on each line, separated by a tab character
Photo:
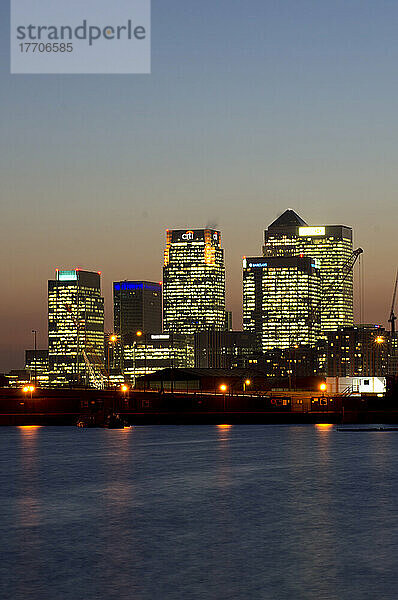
250	108
108	282
198	299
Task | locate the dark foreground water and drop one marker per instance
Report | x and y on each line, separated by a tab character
242	512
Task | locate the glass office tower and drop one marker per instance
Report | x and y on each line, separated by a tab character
137	306
332	246
280	296
75	326
193	281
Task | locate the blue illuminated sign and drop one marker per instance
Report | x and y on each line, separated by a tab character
134	285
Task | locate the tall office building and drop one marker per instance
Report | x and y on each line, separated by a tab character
137	306
75	326
193	281
280	296
331	245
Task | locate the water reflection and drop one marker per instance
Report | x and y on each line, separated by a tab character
223	432
116	537
237	512
28	521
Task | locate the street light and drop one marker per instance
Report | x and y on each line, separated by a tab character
34	331
323	387
223	388
28	388
379	340
124	389
112	340
246	383
138	335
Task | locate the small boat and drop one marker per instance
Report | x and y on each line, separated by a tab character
114	421
85	421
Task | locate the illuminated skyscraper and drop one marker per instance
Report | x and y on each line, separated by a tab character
75	325
137	306
331	245
193	281
280	295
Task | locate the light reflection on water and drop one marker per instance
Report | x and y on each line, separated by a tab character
214	512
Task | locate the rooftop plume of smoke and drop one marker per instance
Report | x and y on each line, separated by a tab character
212	224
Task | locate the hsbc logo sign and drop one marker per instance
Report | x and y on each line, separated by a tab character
188	236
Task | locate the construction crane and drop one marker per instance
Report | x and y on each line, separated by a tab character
97	373
96	370
341	276
393	318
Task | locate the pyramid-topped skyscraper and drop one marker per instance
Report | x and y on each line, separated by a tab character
288	219
297	292
330	246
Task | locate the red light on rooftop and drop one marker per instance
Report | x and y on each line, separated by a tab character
99	272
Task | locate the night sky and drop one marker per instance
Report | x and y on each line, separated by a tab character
252	107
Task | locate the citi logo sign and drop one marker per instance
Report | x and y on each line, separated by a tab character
189	235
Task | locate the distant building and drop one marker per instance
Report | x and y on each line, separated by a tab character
17	378
36	364
290	364
156	351
75	326
193	281
393	354
331	246
224	349
137	306
280	300
363	350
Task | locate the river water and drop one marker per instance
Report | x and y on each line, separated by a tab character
206	512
